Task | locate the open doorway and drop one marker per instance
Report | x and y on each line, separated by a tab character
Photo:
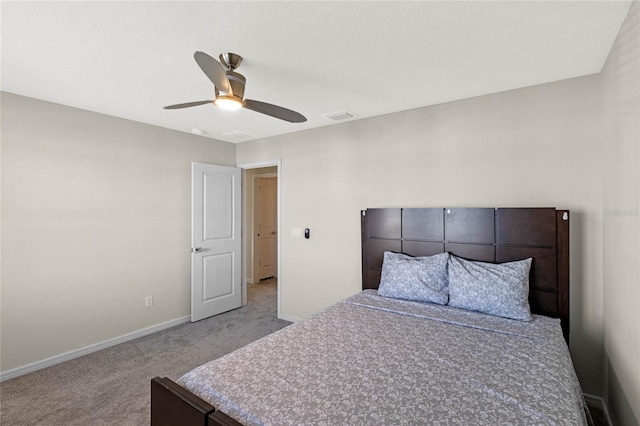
261	216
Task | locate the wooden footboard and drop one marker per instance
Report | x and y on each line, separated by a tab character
172	405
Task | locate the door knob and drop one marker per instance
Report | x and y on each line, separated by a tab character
273	233
196	250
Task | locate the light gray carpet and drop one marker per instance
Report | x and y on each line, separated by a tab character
112	386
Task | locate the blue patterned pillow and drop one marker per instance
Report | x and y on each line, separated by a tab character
497	289
422	279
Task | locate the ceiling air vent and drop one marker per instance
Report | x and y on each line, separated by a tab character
240	136
340	115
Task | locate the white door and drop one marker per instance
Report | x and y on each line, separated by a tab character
266	226
215	240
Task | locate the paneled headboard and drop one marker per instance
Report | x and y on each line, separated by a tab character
484	234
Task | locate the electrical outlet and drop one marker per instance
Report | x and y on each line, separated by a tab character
148	301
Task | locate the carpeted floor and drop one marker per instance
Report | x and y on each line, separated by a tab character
111	387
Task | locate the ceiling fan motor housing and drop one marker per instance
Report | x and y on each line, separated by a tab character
237	82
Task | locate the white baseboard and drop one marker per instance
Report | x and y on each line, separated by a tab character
289	318
29	368
599	402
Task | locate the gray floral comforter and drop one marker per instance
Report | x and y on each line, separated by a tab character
373	360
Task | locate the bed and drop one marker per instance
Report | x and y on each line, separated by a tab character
380	360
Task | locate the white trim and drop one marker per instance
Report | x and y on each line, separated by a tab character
599	402
288	318
258	165
67	356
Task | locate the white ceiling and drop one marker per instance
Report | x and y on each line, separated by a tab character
128	59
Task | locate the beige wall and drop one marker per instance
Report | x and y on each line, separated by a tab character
95	217
621	107
538	146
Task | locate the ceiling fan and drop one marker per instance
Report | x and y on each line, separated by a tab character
229	88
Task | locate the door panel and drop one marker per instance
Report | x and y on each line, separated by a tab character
216	240
266	227
218	220
218	273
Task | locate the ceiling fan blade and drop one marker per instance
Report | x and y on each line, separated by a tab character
274	111
188	104
214	70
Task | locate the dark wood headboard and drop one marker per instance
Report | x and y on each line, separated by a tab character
485	234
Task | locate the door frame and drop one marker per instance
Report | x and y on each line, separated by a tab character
248	216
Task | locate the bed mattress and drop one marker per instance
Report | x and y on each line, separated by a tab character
375	360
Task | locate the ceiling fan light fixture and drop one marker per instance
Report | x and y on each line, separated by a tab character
228	102
229	89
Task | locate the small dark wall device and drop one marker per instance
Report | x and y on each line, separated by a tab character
306	233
